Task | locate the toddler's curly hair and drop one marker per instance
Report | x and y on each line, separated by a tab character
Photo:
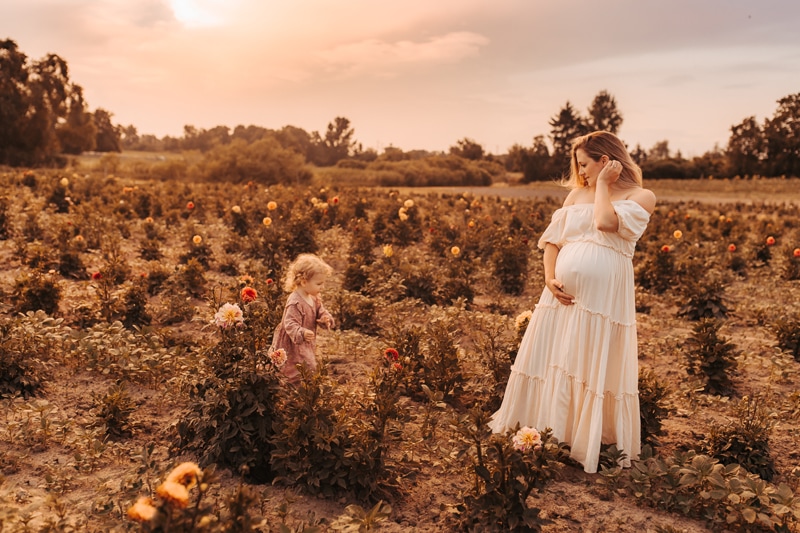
303	268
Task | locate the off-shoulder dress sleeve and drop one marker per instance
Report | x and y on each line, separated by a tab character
554	233
633	219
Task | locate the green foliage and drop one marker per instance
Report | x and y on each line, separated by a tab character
114	351
787	332
352	310
357	520
510	263
658	273
324	443
114	409
264	161
704	298
745	441
652	406
36	291
27	342
5	220
711	356
791	265
230	420
504	476
134	305
727	497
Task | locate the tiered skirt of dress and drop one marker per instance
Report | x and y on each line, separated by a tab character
576	370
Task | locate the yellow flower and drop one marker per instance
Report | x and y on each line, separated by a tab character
64	182
267	221
408	204
272	206
197	239
402	213
388	251
186	474
471	224
677	234
455	250
174	494
236	209
142	510
149	220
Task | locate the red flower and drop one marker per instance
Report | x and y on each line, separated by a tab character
731	247
770	240
249	294
665	248
269	281
391	354
189	205
397	367
96	275
796	252
335	200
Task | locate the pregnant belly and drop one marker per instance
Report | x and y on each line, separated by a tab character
586	267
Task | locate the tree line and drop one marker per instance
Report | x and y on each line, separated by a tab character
44	118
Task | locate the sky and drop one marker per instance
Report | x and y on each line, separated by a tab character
423	74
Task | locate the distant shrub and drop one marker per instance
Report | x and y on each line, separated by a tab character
264	161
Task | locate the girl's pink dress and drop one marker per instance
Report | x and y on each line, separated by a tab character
298	317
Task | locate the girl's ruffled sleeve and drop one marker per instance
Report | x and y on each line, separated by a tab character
633	219
554	233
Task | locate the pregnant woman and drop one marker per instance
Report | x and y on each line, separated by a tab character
576	370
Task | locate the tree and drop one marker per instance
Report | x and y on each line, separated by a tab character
660	150
108	135
565	126
746	148
76	134
782	134
603	113
264	161
336	145
537	163
468	149
14	102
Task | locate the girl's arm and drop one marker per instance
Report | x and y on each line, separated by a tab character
293	323
324	318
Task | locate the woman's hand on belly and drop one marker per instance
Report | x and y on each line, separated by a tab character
557	288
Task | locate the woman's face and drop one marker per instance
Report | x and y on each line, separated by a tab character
588	168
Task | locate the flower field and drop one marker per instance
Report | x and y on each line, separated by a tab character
138	393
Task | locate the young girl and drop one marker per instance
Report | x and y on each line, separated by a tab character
296	334
576	370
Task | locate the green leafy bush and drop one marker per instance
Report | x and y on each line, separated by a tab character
506	470
711	356
36	291
787	331
114	409
704	298
652	406
745	441
27	343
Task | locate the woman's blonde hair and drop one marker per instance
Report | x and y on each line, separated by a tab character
303	268
596	145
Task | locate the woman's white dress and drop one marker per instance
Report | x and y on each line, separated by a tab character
576	369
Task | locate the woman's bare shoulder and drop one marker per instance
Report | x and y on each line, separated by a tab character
572	196
645	198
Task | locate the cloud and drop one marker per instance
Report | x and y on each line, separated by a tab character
385	58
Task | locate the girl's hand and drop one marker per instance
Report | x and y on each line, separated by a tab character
309	335
326	322
557	288
610	172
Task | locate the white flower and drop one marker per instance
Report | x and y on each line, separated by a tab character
408	204
278	357
523	318
402	213
229	315
526	439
